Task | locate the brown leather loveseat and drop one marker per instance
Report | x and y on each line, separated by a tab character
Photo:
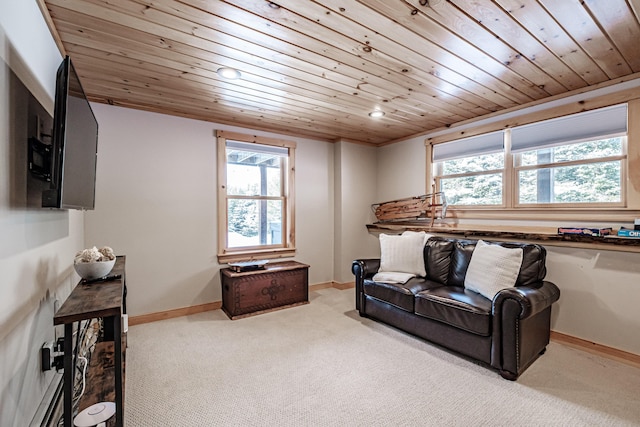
508	332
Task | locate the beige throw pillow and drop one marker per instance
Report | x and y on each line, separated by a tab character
492	268
402	254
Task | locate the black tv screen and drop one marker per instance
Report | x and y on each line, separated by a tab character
74	145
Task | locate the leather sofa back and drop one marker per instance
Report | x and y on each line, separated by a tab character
447	260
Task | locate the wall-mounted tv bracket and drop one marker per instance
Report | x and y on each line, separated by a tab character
39	159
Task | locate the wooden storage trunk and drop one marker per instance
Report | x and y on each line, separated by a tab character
279	285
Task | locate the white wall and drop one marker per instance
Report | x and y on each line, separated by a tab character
599	289
27	46
355	189
314	206
156	204
401	170
600	294
36	246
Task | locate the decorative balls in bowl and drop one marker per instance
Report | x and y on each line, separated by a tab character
94	263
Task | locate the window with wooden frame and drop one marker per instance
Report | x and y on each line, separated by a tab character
576	161
470	171
255	197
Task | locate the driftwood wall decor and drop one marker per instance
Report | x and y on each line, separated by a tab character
429	206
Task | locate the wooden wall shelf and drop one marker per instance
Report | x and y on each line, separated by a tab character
529	234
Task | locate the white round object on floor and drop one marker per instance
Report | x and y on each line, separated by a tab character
95	414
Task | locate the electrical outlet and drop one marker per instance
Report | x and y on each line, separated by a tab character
46	356
51	356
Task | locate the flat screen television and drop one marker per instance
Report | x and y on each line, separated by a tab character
74	147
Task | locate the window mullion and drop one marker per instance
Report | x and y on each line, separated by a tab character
509	182
462	175
572	163
256	197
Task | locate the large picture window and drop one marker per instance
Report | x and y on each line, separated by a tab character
573	161
256	203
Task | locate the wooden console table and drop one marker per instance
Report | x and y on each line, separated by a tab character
87	301
278	285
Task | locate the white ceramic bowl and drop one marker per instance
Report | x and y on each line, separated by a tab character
94	270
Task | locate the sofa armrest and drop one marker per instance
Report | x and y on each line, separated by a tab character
532	299
521	326
363	269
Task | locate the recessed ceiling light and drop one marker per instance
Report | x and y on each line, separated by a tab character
376	114
228	73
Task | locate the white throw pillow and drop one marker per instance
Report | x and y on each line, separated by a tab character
424	235
492	268
402	254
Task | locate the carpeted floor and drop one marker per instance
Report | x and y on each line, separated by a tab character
322	365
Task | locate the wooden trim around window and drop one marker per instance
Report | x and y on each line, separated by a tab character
580	100
235	136
226	255
633	155
625	211
222	191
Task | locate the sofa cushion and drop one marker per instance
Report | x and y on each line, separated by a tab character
437	256
492	268
401	295
402	254
457	307
460	257
533	269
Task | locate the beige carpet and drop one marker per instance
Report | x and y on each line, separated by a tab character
322	365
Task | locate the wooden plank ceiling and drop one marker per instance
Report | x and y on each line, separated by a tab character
317	68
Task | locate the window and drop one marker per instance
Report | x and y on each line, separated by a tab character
573	161
470	171
585	172
255	197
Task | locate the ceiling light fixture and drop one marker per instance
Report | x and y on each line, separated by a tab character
228	73
376	114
